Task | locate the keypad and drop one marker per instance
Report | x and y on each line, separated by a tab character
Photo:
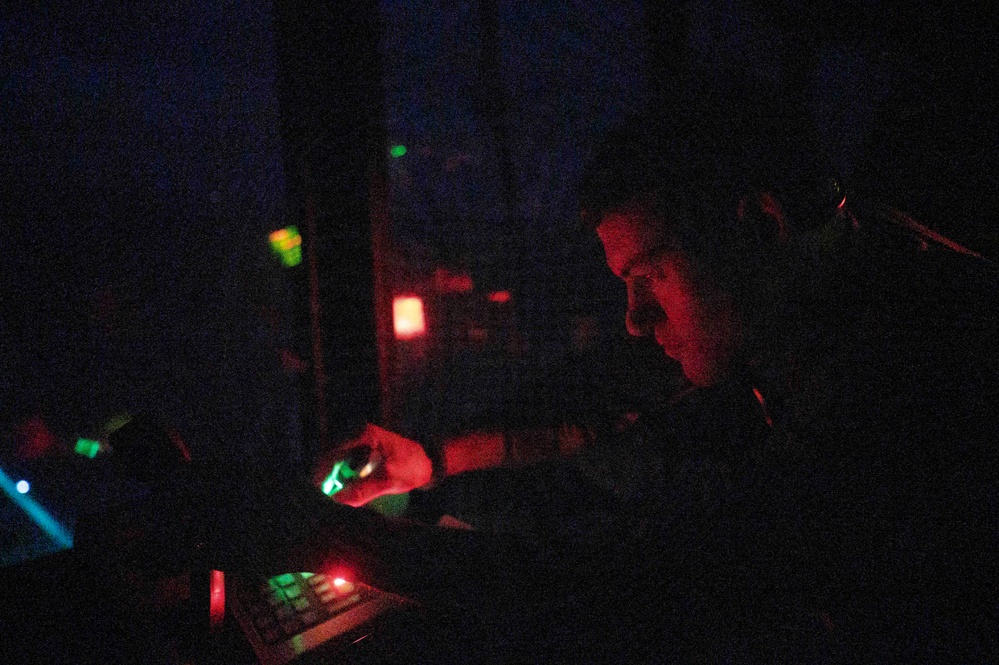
288	604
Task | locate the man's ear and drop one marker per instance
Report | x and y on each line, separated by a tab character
762	219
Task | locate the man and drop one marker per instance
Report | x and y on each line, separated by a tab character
700	282
803	497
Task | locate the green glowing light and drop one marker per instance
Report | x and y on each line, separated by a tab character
332	484
292	257
287	244
392	505
340	473
283	580
398	151
87	447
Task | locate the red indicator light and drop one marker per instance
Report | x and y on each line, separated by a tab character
446	281
763	403
407	317
216	602
499	296
342	586
33	439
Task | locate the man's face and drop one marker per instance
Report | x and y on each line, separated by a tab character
669	296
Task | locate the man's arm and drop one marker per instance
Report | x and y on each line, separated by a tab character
402	464
484	450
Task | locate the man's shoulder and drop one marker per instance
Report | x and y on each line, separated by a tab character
933	311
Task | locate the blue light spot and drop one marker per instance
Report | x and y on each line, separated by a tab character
56	531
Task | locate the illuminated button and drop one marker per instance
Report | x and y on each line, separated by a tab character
343	604
300	604
343	586
292	592
315	580
288	579
322	588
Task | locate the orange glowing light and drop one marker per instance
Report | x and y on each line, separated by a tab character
499	296
339	581
407	315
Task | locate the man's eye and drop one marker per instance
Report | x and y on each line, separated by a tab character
640	270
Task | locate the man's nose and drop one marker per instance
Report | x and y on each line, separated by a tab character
643	311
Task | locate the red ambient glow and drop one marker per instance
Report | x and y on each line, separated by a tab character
499	296
446	281
216	607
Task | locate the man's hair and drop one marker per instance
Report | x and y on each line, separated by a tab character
712	148
709	167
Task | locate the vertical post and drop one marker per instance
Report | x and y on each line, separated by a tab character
383	278
331	104
315	324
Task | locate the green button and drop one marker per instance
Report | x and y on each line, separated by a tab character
288	579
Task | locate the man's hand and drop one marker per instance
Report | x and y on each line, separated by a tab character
398	465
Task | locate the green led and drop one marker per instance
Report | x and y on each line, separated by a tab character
292	257
334	482
87	447
287	244
398	151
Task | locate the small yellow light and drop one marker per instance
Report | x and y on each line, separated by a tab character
407	316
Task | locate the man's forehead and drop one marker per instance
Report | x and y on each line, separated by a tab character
629	234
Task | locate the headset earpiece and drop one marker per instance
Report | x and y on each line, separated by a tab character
762	218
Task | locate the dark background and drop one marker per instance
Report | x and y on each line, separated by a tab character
146	153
